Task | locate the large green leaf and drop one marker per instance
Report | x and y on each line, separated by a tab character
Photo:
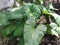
19	28
35	10
32	35
29	30
7	30
3	19
14	14
31	10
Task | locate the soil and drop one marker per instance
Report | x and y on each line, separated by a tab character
50	40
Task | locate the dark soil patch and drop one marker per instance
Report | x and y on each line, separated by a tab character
50	40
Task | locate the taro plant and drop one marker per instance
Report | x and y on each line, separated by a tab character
23	24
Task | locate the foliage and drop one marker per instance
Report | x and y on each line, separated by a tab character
22	23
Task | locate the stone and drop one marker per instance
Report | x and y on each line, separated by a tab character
6	3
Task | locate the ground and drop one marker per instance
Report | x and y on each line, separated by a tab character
50	40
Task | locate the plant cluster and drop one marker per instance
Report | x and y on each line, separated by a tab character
23	23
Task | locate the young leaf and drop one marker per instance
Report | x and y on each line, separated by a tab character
56	17
55	29
52	25
41	1
45	11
